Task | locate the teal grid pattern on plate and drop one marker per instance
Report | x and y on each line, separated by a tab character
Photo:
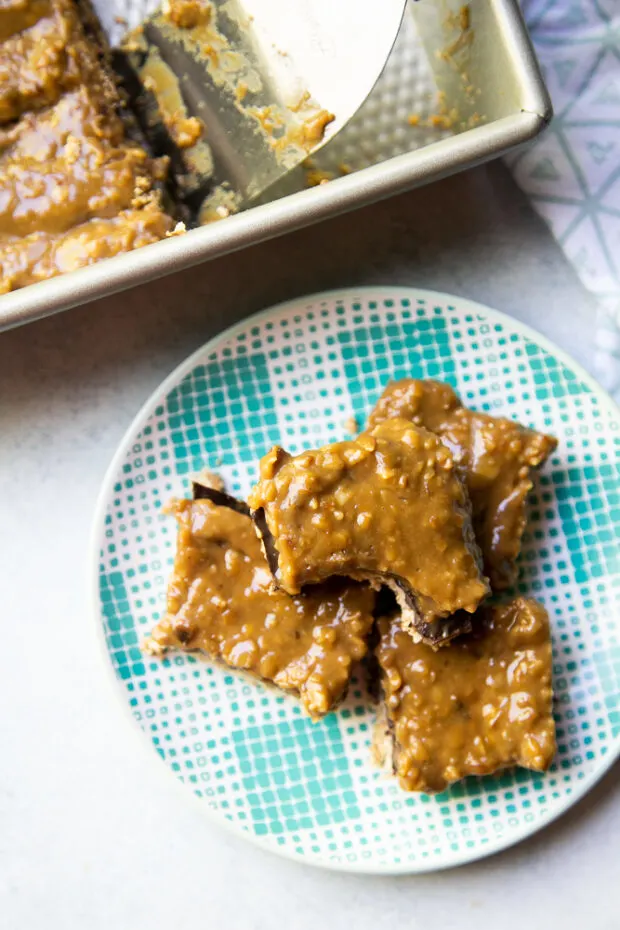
296	375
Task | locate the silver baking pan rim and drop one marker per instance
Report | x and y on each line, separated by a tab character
397	174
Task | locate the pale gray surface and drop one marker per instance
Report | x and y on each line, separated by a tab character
93	831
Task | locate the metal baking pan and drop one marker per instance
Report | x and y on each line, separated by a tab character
445	102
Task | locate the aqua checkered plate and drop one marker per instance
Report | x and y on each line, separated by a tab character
294	375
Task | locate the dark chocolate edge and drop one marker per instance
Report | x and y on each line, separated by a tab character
93	29
269	545
219	498
442	631
108	57
370	662
437	632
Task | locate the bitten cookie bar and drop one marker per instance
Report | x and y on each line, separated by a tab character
388	507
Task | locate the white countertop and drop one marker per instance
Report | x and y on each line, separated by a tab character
93	831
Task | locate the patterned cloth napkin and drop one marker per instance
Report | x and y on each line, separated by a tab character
572	172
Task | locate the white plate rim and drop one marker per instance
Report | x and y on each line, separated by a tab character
366	291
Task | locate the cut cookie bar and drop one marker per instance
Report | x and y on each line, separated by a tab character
221	601
479	706
496	456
